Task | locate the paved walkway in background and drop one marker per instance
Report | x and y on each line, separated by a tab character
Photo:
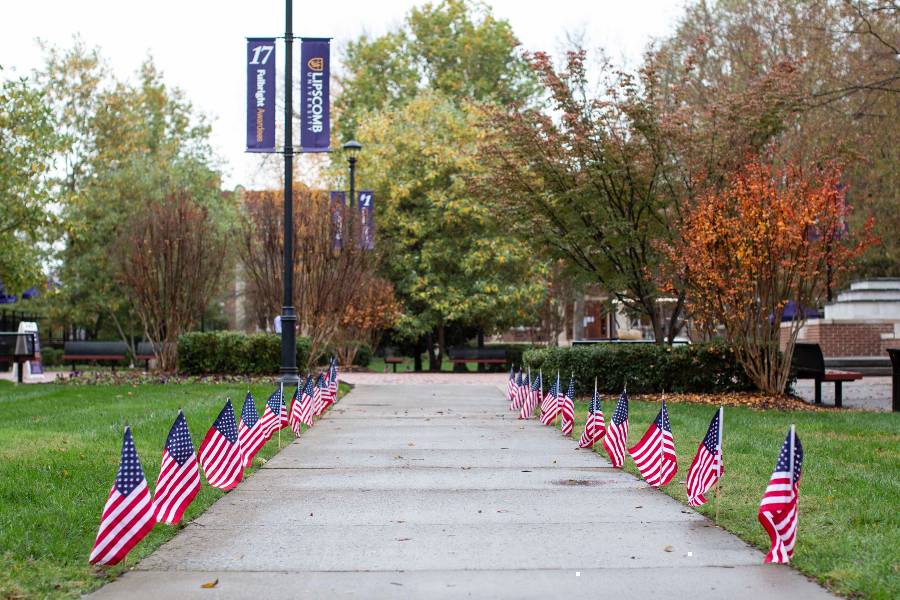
436	491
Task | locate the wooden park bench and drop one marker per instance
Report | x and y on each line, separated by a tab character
18	348
483	356
94	352
809	363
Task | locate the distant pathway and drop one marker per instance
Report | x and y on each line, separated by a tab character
436	491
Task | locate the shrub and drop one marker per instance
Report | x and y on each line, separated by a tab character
363	356
645	367
51	357
229	352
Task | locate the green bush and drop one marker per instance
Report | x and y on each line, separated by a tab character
645	367
363	356
51	357
235	353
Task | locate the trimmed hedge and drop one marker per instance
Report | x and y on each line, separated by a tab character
648	368
234	353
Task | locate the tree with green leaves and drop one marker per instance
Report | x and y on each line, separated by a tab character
455	47
28	141
406	96
128	146
450	262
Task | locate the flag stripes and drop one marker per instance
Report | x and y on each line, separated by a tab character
778	508
128	513
179	475
220	452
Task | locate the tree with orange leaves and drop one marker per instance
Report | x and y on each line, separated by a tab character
768	237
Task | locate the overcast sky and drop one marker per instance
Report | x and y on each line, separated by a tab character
199	44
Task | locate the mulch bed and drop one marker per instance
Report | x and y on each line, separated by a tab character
754	400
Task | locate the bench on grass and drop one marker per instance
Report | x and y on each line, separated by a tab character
809	363
18	348
482	356
94	352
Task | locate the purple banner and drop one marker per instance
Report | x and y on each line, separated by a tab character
260	94
315	123
338	202
364	200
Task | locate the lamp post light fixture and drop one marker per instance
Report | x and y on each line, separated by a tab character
352	148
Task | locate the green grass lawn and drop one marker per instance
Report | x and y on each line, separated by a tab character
59	452
849	535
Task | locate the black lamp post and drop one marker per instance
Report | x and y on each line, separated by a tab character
288	315
352	148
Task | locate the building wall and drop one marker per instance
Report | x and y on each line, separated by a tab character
848	338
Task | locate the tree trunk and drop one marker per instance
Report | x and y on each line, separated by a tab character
432	358
442	345
481	345
417	356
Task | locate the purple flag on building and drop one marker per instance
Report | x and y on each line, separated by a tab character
315	125
260	94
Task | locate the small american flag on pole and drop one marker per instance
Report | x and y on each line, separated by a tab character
533	396
617	432
128	513
551	404
654	454
220	452
518	397
306	403
595	426
294	410
331	379
707	467
567	409
511	385
179	474
319	395
550	399
778	509
274	416
251	434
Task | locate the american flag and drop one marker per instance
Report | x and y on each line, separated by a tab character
294	410
306	403
179	475
274	415
550	399
617	432
251	434
707	466
567	408
319	395
778	509
551	404
511	385
595	426
654	454
515	403
533	396
220	452
128	513
332	380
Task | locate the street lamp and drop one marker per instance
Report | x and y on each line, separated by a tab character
352	148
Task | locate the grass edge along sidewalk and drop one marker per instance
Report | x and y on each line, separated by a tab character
60	447
849	527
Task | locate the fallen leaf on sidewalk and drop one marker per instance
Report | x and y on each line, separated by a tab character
210	584
669	548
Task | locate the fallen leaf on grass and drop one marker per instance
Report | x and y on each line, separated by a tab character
210	584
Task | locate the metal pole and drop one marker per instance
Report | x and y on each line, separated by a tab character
288	316
352	160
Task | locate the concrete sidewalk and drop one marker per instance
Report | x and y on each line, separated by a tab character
436	491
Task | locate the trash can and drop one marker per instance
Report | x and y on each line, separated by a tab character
894	353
